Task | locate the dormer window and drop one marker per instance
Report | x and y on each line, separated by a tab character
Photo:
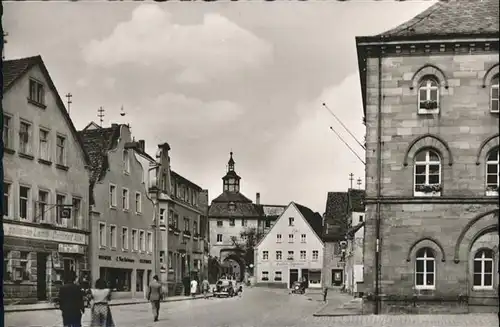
428	96
232	206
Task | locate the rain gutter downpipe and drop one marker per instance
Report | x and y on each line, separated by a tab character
379	177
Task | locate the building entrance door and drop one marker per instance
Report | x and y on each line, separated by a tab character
41	276
294	276
337	277
69	269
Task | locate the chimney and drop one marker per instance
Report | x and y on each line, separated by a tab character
142	144
257	198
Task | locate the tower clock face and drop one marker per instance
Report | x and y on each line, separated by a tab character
232	181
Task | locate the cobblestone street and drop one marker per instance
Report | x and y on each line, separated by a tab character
257	308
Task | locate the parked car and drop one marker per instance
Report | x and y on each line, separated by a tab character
224	287
298	288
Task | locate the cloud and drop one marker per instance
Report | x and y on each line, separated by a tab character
82	82
215	48
312	146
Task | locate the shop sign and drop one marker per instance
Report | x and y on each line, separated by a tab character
292	264
104	257
71	248
43	234
125	259
145	261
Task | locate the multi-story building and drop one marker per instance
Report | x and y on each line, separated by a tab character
121	212
232	213
46	186
353	270
292	250
430	95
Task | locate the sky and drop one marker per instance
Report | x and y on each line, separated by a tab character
210	78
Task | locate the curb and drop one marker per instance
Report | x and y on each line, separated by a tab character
6	309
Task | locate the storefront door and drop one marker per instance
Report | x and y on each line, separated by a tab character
41	276
294	276
69	269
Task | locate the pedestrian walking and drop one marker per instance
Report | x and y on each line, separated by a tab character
325	293
71	302
240	290
205	287
194	287
155	295
100	311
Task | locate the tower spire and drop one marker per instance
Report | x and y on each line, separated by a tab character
230	163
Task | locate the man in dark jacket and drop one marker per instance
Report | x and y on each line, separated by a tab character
71	303
155	295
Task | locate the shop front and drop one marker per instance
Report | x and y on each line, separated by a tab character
127	275
38	260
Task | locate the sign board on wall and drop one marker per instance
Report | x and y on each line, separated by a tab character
71	248
43	234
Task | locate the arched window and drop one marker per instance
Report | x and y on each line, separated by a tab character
483	269
494	94
427	173
492	172
425	269
428	95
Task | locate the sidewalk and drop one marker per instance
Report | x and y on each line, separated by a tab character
340	304
51	306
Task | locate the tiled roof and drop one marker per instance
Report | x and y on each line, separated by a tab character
271	211
241	210
232	197
97	142
184	180
14	69
356	200
336	215
313	218
455	17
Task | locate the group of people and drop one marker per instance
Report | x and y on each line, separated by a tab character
72	303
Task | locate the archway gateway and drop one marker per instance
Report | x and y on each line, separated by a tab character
234	263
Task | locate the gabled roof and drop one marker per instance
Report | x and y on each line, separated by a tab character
336	216
241	210
467	17
184	180
312	219
356	200
14	69
97	142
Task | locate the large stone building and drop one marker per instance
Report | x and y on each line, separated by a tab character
122	212
430	95
232	213
292	250
46	186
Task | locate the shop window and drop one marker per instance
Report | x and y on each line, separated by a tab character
139	280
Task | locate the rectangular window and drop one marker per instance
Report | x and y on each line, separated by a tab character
186	224
112	236
7	193
102	235
162	216
290	238
37	92
25	138
125	199
43	145
302	238
25	265
279	255
265	276
278	238
265	255
7	130
124	238
302	255
142	240
231	222
61	150
135	240
126	162
150	242
243	222
315	255
43	201
112	195
176	220
268	224
60	201
170	259
138	202
195	228
290	221
24	196
77	213
277	276
170	217
220	223
360	218
290	255
219	238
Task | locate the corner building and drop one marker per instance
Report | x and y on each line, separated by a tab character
430	95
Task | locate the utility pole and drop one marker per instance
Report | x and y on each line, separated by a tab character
351	178
100	114
359	183
5	34
69	96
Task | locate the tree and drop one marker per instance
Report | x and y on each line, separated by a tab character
249	237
